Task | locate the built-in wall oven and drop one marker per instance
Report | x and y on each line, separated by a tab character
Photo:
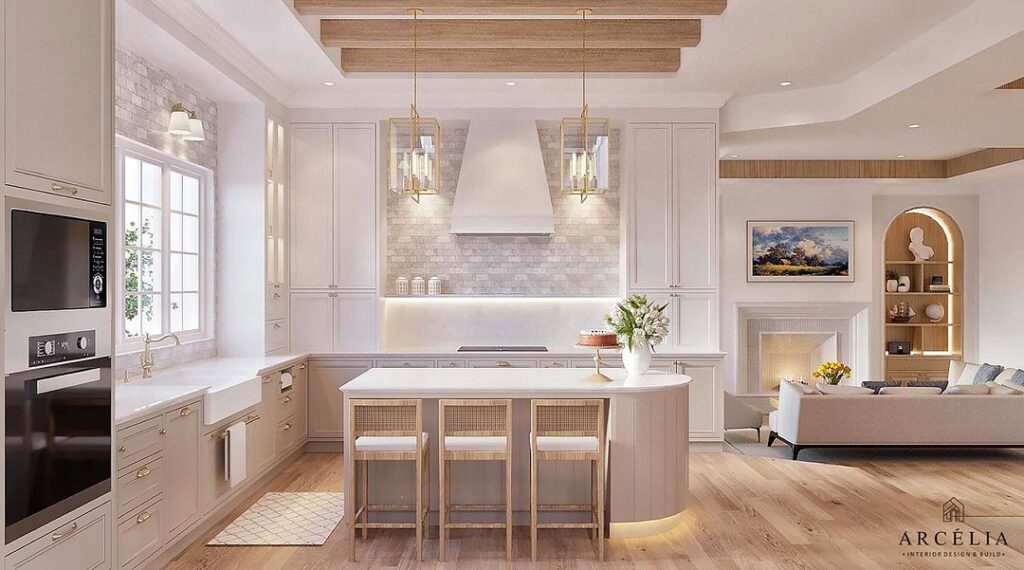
57	358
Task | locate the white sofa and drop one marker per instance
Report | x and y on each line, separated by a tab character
807	418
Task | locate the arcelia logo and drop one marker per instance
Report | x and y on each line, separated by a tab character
953	511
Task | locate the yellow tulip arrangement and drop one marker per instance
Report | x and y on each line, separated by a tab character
832	372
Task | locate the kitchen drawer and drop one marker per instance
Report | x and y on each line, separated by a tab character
139	535
82	543
451	363
286	405
405	363
139	483
277	307
285	439
503	363
276	336
554	364
139	441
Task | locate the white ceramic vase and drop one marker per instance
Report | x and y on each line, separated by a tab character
892	285
638	360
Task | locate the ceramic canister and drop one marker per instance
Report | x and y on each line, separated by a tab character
434	286
419	286
402	285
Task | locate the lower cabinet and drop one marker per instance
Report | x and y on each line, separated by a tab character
140	534
259	437
80	543
300	388
326	404
213	479
182	505
706	402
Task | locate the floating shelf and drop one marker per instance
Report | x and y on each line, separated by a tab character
922	324
923	294
920	262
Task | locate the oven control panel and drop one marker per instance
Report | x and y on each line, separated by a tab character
51	348
97	264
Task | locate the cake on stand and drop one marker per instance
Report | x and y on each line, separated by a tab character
597	340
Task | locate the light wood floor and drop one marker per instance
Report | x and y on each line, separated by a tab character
745	512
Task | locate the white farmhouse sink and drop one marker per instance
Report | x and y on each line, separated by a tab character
225	395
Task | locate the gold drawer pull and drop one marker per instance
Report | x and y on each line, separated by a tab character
287	399
554	365
143	517
185	411
287	427
277	295
302	367
266	380
59	535
142	472
122	449
62	188
451	365
504	364
277	326
163	431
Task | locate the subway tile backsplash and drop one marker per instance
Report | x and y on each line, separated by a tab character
581	257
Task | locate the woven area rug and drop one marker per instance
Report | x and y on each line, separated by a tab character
285	519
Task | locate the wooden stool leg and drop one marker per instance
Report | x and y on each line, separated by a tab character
419	508
600	509
593	499
364	468
533	505
508	507
442	506
350	506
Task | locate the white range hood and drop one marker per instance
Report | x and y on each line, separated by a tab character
503	187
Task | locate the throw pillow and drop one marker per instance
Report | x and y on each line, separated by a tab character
956	370
908	391
1018	378
830	390
987	373
1000	390
970	371
877	385
968	390
1006	376
940	384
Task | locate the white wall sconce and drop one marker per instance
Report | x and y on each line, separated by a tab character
185	124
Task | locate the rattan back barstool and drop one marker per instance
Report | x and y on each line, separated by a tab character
474	430
387	430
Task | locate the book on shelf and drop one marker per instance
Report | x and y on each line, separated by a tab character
939	289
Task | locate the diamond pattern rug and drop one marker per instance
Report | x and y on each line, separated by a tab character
285	519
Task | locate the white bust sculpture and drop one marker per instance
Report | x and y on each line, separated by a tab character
921	251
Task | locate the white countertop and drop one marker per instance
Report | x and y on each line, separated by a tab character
504	383
177	385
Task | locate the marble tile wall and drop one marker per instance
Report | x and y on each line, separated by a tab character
581	257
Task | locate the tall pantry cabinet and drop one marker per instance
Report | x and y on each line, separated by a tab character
334	228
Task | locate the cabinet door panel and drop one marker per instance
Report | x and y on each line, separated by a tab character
182	498
696	321
356	322
59	97
694	160
312	325
326	402
260	434
312	202
355	187
651	265
301	391
705	402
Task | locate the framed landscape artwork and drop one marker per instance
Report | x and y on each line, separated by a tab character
799	252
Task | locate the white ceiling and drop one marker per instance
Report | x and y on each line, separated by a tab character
861	69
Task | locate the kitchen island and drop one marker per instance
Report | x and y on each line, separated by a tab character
648	441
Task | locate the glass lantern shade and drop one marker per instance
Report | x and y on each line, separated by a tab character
414	155
584	156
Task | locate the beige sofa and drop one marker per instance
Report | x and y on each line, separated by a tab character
807	418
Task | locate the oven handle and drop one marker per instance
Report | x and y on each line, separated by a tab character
55	383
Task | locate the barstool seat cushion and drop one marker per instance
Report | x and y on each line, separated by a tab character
565	443
475	443
387	443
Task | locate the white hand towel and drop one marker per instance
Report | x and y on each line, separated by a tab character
286	380
234	454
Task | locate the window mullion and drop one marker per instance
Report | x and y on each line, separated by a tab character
165	246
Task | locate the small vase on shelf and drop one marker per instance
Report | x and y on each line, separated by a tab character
892	285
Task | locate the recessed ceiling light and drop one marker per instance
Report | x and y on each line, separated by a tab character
913	126
510	83
328	84
785	83
901	156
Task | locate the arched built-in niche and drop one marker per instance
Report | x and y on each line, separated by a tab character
933	343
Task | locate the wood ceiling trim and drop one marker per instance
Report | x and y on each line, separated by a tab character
492	33
956	166
1015	84
498	60
509	7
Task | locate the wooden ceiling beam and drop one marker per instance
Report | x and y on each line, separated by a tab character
1015	84
510	33
949	168
499	60
509	7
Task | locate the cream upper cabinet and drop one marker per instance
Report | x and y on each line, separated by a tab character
58	97
673	207
355	206
334	322
312	203
334	207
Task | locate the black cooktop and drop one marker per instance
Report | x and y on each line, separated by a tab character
503	349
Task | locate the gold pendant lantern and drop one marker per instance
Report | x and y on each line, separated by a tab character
414	142
584	142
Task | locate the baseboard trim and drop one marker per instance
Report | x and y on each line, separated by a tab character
325	447
217	515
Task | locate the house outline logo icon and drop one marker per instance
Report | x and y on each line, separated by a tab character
953	511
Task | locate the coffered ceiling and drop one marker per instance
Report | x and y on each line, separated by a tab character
511	36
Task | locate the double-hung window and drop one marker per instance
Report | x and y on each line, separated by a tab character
163	215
